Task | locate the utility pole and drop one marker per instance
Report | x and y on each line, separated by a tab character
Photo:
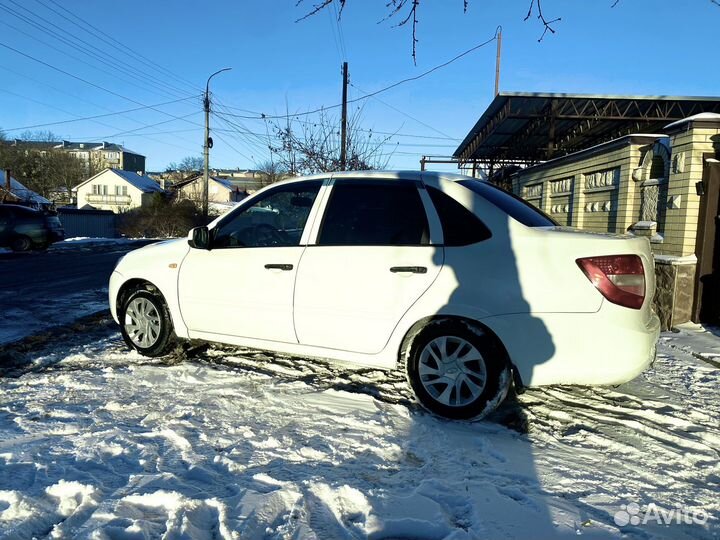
343	127
497	61
207	144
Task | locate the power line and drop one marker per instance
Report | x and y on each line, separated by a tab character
144	107
88	82
383	143
71	41
408	115
42	83
371	94
101	34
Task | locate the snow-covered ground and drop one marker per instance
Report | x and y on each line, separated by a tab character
96	442
44	311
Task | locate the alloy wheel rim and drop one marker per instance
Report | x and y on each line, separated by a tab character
452	371
142	322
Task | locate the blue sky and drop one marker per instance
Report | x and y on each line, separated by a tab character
655	47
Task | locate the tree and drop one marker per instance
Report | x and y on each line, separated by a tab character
187	164
163	217
406	12
306	147
271	172
49	172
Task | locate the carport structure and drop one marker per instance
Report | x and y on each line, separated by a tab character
525	128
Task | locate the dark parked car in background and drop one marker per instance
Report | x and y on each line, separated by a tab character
22	229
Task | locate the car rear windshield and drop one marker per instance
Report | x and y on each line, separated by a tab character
512	205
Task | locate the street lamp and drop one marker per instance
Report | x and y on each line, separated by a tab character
206	145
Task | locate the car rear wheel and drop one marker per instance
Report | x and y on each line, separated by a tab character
145	323
20	243
457	370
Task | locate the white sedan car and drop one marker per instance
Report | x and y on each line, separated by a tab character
463	285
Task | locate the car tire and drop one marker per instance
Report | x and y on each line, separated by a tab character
21	243
145	323
456	369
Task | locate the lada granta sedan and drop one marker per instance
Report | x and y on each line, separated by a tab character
464	286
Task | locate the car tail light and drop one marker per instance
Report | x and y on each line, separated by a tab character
620	278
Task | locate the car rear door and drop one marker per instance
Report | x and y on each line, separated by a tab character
5	224
374	253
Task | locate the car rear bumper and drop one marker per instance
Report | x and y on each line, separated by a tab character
609	347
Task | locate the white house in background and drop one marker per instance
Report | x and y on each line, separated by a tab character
220	190
116	190
12	191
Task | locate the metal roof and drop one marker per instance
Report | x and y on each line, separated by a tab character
529	127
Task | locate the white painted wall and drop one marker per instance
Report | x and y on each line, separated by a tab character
110	201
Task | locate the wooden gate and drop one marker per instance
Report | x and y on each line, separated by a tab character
706	306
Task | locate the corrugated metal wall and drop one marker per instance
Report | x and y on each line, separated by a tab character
88	223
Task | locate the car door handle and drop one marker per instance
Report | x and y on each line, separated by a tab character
409	269
279	266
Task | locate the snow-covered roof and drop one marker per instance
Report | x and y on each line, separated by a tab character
23	193
143	183
705	116
223	182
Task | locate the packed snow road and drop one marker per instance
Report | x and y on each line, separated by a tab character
97	442
56	286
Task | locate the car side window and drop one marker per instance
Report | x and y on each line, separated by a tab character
374	213
277	219
460	226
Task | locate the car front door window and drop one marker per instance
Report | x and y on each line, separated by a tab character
275	220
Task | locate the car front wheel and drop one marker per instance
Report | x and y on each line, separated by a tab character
457	370
145	323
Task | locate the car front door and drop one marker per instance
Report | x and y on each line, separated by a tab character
243	286
373	257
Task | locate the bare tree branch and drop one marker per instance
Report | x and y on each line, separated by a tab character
541	16
313	147
319	7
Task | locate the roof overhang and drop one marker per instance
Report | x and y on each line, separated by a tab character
531	127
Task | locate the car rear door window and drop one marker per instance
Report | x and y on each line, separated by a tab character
509	203
460	226
374	213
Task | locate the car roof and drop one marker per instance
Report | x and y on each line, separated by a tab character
19	207
381	175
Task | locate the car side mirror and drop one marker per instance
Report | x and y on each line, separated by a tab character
199	238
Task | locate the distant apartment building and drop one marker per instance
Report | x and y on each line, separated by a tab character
96	155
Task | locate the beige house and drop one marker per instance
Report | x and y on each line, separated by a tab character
220	190
116	190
